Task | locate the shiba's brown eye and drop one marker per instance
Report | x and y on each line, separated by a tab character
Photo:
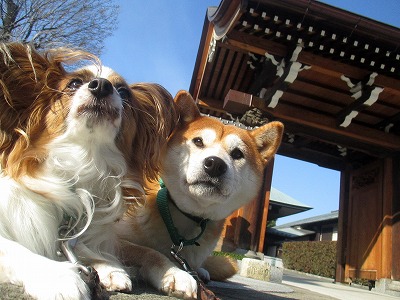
198	142
237	154
75	84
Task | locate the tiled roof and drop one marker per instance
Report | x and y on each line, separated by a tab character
283	199
325	217
289	232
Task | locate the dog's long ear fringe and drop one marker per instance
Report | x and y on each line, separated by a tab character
155	117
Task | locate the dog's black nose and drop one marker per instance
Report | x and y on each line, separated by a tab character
214	166
100	87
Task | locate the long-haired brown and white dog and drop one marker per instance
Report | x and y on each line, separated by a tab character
64	140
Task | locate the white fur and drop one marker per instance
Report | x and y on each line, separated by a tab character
81	177
178	283
41	277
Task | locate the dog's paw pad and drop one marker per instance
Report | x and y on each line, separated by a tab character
180	284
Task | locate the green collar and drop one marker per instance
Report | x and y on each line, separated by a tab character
162	202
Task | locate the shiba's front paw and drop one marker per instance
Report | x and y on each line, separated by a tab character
113	278
180	284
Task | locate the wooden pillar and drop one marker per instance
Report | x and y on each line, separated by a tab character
396	220
342	224
252	221
387	209
246	225
264	208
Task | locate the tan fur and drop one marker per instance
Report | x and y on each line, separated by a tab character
144	226
220	267
148	122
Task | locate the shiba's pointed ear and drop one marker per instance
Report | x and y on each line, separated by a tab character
186	106
268	138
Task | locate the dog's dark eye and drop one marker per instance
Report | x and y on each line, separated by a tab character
123	93
75	84
237	154
198	142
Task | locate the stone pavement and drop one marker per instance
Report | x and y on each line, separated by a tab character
325	286
242	288
295	285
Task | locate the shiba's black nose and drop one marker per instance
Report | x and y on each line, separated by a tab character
100	87
214	166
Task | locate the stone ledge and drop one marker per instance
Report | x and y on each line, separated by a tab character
270	269
388	287
394	285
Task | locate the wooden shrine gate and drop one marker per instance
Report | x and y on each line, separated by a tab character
333	78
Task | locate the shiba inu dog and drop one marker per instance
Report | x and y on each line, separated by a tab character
209	170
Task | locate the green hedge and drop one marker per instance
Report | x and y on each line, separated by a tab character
229	254
318	258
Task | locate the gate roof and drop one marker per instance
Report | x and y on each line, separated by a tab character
331	76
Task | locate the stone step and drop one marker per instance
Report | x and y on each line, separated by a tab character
266	270
388	287
394	286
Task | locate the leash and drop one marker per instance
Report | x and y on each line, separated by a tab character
88	274
203	293
179	241
163	198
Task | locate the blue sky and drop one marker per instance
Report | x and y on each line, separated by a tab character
157	41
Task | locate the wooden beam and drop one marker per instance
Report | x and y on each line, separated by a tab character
201	61
324	127
316	157
254	44
388	123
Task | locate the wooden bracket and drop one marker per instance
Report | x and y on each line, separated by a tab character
287	70
365	94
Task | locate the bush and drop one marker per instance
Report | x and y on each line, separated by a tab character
318	258
229	254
